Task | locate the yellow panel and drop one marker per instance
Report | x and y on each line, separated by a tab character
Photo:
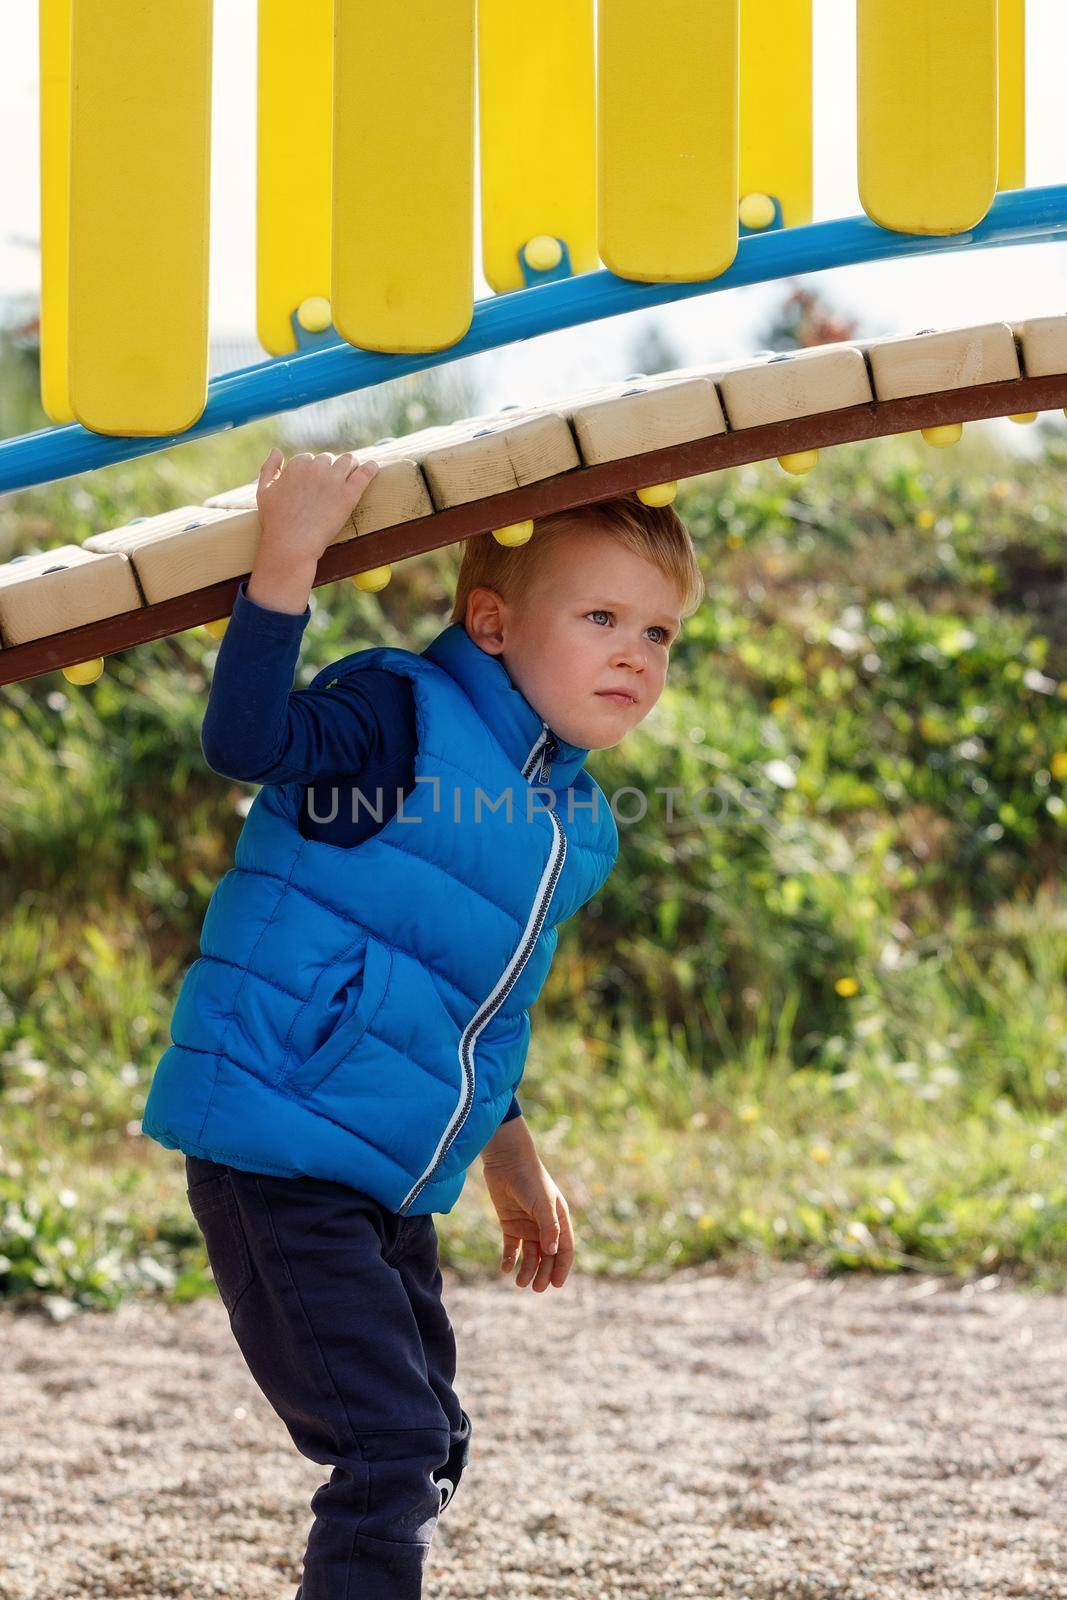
927	113
54	50
537	132
1012	169
776	104
667	138
293	166
403	173
139	194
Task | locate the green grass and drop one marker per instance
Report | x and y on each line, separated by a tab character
829	1027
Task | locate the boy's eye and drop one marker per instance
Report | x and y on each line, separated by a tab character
652	628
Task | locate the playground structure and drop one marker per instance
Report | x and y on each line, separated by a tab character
690	179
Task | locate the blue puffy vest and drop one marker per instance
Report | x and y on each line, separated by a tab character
361	1014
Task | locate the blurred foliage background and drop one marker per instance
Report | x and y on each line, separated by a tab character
822	1016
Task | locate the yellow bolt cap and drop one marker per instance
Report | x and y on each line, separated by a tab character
543	253
756	210
799	462
657	494
1024	416
941	437
82	672
373	579
314	314
515	533
217	627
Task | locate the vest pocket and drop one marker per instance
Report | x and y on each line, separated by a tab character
306	1077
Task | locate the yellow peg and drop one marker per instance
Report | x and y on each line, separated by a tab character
1023	416
799	462
373	579
756	211
217	627
542	253
314	314
515	533
82	672
941	437
657	494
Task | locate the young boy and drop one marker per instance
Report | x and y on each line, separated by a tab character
353	1031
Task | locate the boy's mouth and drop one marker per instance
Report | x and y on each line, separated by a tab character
622	697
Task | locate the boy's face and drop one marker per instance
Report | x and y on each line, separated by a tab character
596	618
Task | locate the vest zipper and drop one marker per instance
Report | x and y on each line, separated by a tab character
545	747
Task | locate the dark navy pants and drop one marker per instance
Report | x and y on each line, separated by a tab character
335	1302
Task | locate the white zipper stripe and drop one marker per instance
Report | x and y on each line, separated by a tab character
504	984
535	750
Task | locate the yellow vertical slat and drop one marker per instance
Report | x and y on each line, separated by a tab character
403	173
54	55
776	105
927	113
536	133
1011	172
294	153
667	138
140	174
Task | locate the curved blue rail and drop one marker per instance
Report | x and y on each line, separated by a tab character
1021	216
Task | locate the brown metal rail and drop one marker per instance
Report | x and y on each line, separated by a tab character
578	487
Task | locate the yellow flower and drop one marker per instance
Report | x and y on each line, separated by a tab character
704	1221
820	1153
734	541
846	986
926	518
779	703
748	1113
1058	764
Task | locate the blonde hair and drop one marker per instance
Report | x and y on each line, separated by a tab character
656	533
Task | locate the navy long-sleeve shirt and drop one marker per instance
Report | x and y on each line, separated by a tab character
352	743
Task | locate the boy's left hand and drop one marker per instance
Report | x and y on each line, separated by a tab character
532	1211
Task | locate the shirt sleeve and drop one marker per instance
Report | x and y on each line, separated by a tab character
258	729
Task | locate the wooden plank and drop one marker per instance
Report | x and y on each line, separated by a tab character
927	113
514	451
797	383
667	138
294	163
776	134
403	173
68	587
536	133
648	414
184	549
139	192
1042	343
939	360
397	493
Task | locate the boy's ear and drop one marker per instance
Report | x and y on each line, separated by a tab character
485	619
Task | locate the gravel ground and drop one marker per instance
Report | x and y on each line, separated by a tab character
709	1435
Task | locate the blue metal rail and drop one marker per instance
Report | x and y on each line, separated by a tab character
1021	216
